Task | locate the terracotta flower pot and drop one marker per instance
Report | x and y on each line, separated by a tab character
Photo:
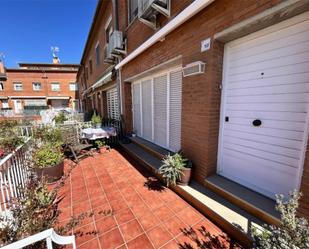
103	149
52	173
185	178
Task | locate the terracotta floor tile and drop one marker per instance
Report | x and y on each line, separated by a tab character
80	207
97	201
138	203
189	216
105	224
177	205
159	236
65	213
131	229
174	225
124	215
118	205
111	239
102	211
94	244
85	233
141	242
171	245
163	213
140	209
148	221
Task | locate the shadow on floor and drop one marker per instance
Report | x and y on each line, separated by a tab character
202	239
154	184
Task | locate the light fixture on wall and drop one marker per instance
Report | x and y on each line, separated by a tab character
194	68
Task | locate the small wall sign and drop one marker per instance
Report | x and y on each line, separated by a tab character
205	45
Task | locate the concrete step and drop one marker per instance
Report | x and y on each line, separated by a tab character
255	203
152	148
231	218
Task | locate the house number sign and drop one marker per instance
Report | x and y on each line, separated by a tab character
205	45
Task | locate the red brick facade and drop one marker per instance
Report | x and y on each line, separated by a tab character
48	74
201	93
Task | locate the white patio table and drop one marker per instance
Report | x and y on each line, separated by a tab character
98	133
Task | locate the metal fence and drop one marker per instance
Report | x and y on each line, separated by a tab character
14	174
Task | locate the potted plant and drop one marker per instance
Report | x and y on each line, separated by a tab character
101	146
96	120
47	162
171	169
186	172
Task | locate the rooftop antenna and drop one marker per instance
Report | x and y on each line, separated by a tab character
2	56
55	51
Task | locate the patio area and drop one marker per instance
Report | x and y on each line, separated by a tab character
144	214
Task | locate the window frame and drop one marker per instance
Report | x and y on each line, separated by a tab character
34	83
90	66
97	54
131	19
18	83
76	88
1	86
55	83
6	103
108	29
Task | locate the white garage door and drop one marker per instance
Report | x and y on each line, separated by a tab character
157	108
265	105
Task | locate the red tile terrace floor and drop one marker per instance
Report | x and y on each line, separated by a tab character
144	213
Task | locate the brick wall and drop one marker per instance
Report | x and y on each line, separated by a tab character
201	93
28	77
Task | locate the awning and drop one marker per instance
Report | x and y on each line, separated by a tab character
3	97
58	97
104	79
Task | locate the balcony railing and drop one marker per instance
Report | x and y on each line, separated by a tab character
14	175
48	235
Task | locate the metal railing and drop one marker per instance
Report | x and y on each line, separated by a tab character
49	235
14	175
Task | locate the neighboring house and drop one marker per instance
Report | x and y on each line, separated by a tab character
39	84
227	82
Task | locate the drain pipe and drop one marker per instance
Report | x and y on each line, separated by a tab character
118	60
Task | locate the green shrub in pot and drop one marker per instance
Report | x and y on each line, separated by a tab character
47	162
171	169
46	156
96	120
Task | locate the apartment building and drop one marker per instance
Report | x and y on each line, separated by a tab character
224	81
51	85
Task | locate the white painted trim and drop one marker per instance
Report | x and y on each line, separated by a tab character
141	107
272	29
152	110
182	17
174	62
254	19
108	22
159	73
104	79
168	79
222	109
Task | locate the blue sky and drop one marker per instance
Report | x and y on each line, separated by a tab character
28	28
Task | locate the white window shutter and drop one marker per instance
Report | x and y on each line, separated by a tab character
112	103
146	109
160	110
175	111
136	109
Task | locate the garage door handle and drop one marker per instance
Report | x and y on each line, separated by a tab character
257	122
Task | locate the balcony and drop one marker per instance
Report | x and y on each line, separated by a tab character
129	205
